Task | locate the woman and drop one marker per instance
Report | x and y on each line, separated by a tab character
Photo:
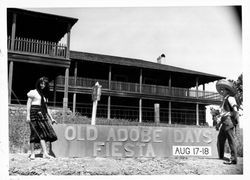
38	117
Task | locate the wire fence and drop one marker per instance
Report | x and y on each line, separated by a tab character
131	113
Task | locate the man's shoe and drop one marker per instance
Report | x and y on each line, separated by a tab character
230	162
32	157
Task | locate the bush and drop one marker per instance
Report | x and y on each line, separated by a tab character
19	133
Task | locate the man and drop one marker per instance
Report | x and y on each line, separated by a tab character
229	119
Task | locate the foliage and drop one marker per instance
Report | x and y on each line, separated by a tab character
238	84
18	133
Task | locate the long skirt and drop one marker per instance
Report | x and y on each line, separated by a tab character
40	127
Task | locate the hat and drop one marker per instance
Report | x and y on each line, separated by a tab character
225	84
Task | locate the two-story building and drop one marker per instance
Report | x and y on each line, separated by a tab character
130	87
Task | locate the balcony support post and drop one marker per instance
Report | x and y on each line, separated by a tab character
74	95
197	85
54	99
204	89
109	97
169	112
197	105
13	34
68	42
65	98
10	79
110	75
170	84
140	100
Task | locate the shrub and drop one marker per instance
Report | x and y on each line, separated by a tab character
18	133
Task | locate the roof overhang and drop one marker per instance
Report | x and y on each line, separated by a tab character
37	25
180	75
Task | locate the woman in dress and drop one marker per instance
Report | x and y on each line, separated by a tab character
38	117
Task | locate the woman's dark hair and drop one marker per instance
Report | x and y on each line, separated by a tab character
43	92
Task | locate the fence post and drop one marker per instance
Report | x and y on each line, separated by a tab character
157	113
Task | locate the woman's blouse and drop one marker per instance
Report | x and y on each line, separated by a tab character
35	96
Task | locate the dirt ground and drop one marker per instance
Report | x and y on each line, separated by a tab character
20	164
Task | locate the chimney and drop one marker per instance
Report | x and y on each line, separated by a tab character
161	59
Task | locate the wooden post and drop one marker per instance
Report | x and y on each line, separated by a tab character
197	105
204	90
13	34
169	103
109	104
68	42
197	114
140	110
110	76
66	83
140	101
170	84
157	113
109	97
197	85
65	99
10	79
169	112
54	99
74	95
188	92
140	80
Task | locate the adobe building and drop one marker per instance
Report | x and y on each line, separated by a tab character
130	87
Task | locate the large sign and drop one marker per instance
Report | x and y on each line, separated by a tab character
75	140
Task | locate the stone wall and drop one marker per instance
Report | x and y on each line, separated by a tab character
16	110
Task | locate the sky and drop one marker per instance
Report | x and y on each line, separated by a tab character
203	38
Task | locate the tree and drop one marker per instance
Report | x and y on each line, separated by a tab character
239	87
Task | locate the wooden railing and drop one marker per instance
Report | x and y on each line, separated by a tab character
125	86
38	47
155	89
135	88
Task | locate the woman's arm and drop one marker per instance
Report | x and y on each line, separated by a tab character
28	110
51	117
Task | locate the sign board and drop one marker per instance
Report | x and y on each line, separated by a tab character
78	140
96	92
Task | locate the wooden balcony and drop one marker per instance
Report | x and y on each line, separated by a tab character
37	47
156	90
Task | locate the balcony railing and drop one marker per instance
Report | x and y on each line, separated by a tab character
135	88
38	47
